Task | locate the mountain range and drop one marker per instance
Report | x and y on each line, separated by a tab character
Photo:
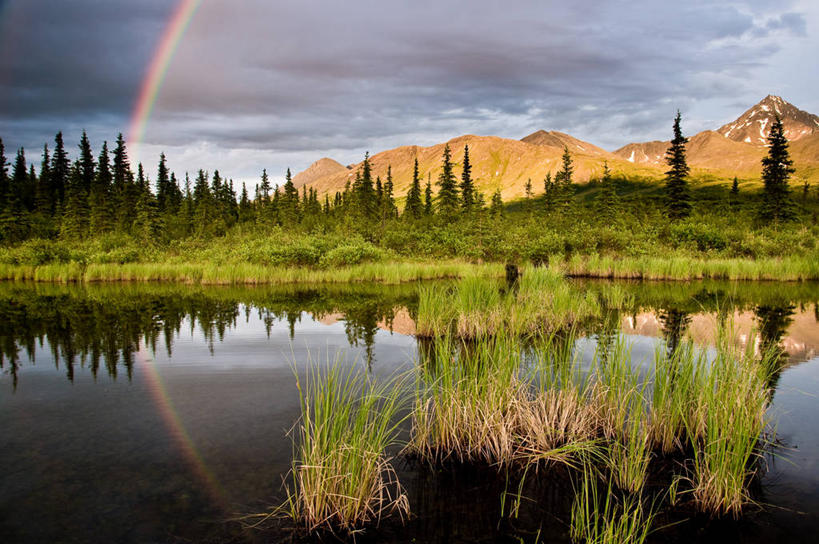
734	149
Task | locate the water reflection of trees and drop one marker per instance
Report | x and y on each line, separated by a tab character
773	321
103	328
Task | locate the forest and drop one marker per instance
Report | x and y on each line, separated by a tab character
96	211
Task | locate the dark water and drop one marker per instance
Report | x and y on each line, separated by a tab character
156	413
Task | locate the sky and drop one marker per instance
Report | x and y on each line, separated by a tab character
275	84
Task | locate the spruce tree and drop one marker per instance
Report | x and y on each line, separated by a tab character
123	191
74	223
388	208
245	207
20	189
428	209
364	193
289	205
100	198
60	169
45	200
607	200
527	189
447	188
733	195
777	168
87	164
264	190
4	176
496	208
563	179
203	204
549	193
14	217
413	209
467	187
147	224
163	185
678	197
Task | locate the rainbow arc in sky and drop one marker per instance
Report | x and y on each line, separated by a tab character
156	72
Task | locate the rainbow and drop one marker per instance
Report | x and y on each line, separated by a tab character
157	69
177	429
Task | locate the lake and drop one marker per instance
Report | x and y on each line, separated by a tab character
160	412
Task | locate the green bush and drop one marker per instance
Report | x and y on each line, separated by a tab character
350	254
704	237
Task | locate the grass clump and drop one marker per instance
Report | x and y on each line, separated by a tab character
465	402
606	518
541	302
733	404
342	477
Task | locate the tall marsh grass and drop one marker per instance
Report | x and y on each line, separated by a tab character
342	477
541	302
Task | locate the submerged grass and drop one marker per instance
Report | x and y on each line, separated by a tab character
342	477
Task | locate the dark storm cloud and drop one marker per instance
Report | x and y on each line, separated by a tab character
293	78
65	65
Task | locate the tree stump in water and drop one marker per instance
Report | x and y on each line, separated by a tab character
512	273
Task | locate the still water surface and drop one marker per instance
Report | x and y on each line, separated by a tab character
156	413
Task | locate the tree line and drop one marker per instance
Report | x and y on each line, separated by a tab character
100	193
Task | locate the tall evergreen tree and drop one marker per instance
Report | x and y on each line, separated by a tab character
496	208
74	223
60	169
364	194
163	185
289	205
388	207
607	200
87	164
733	195
100	197
245	206
467	187
678	197
45	200
563	179
428	209
147	224
777	168
264	188
447	188
414	208
203	204
20	189
4	176
550	191
124	190
527	189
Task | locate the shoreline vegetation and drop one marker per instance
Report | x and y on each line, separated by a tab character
787	268
94	220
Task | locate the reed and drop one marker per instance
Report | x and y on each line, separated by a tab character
541	302
732	406
790	268
606	518
226	273
465	402
342	476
